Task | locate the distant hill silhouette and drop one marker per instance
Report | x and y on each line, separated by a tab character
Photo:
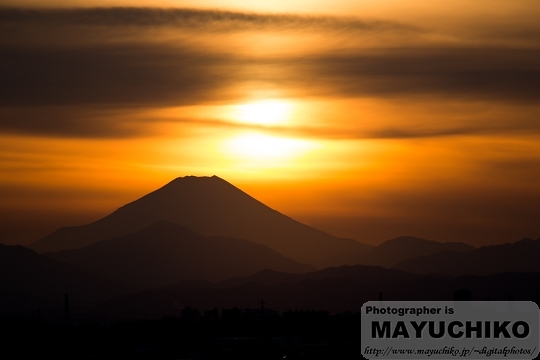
366	274
29	280
521	256
394	251
212	207
334	289
165	253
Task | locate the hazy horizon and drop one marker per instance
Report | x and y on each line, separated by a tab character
365	119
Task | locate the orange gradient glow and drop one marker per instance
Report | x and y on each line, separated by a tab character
259	147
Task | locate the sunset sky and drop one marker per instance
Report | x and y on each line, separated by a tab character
367	119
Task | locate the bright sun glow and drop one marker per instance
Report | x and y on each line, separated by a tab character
264	147
265	112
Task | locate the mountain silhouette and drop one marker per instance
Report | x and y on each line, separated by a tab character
29	280
521	256
209	206
394	251
165	253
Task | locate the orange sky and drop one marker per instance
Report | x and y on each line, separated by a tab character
368	119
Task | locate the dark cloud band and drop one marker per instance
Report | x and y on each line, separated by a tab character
122	74
209	20
146	74
467	73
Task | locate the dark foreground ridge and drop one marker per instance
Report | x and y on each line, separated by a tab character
312	315
333	294
233	334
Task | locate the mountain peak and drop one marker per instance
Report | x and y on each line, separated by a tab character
204	183
209	206
194	177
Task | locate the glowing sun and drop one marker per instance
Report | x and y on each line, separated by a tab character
264	112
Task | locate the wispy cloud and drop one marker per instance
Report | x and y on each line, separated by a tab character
200	20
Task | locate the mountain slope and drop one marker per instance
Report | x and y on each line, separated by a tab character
521	256
209	206
165	253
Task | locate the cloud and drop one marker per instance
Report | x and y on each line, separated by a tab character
406	131
75	82
502	74
72	121
128	74
162	74
200	20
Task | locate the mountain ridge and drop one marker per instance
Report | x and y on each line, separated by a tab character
402	248
520	256
29	280
164	253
